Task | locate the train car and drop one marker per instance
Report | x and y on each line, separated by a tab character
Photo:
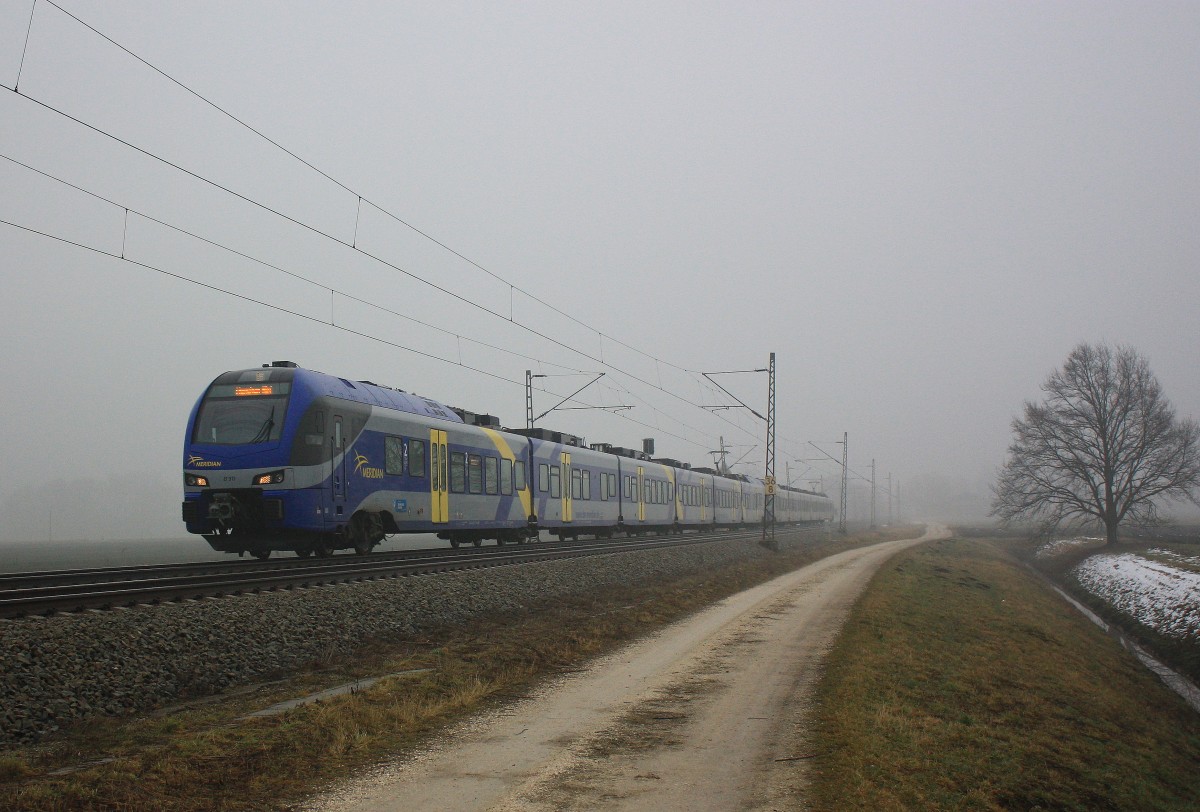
575	486
285	458
693	499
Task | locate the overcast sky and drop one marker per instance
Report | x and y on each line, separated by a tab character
920	207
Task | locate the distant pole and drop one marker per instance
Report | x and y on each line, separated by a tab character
898	519
890	520
768	537
845	469
872	494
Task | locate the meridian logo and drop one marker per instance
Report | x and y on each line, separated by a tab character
362	465
360	461
195	461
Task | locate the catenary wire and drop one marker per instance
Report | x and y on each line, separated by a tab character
316	320
285	271
359	196
343	243
352	245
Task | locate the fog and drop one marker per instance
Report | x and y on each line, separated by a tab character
920	208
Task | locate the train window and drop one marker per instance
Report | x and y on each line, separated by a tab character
587	484
458	472
490	477
519	475
506	472
628	488
612	485
705	492
544	478
555	485
235	420
604	486
416	458
393	456
475	473
576	483
646	492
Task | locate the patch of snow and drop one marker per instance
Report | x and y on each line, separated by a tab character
1158	595
1059	546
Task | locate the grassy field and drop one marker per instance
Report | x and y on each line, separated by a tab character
207	756
960	682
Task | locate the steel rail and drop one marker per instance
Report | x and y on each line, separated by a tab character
77	590
15	580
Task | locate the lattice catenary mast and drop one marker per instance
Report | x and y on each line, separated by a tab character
845	470
768	537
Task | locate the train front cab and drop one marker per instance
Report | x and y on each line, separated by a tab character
238	479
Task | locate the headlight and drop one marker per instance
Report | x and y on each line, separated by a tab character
195	480
273	478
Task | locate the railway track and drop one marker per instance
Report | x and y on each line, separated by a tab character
43	593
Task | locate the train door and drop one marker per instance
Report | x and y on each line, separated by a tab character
674	495
568	484
439	485
641	493
337	463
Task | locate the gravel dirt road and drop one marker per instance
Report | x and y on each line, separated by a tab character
709	715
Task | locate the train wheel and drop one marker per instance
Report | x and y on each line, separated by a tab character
366	530
262	555
454	542
324	548
478	542
303	552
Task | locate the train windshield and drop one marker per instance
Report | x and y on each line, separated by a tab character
242	414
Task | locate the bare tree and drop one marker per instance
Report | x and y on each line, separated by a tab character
1104	446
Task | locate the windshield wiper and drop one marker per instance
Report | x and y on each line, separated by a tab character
264	433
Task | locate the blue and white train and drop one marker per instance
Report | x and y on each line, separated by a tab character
285	458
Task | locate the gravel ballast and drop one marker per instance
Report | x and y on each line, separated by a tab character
65	668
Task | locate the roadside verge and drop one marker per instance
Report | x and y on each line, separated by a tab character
960	681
